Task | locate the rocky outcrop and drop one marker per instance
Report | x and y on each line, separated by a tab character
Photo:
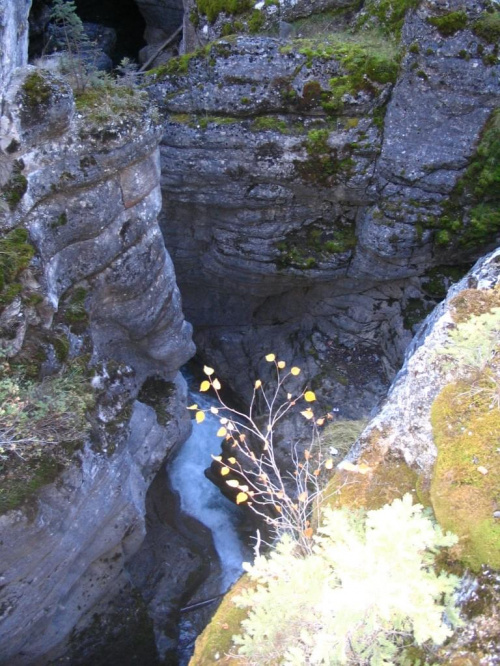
403	427
306	196
71	548
82	182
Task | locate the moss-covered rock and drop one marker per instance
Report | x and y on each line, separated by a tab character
487	27
16	253
465	489
450	23
213	646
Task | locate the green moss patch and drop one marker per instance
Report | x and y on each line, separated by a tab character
15	188
305	248
449	23
36	91
15	255
487	27
212	8
269	123
473	303
465	489
471	217
389	15
215	643
42	424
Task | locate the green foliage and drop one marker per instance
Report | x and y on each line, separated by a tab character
366	59
465	489
64	16
271	123
212	8
15	255
106	101
449	23
306	248
256	21
389	14
487	27
366	592
472	343
36	91
41	423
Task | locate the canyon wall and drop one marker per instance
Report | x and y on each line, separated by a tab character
316	194
80	197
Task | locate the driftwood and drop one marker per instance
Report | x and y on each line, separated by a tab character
160	49
200	604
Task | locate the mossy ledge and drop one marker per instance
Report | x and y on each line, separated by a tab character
465	489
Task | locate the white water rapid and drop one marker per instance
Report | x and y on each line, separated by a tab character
204	501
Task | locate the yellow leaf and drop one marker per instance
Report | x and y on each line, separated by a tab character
193	406
223	420
200	417
225	471
309	396
307	414
280	494
281	365
303	496
348	466
218	458
214	410
231	461
278	508
205	385
216	384
208	371
316	472
307	454
308	533
233	483
242	437
258	384
329	464
221	432
241	497
295	371
266	445
270	358
230	425
320	422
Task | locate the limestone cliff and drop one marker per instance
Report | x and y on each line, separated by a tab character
87	288
321	189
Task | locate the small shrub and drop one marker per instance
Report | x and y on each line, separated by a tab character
450	23
287	502
366	592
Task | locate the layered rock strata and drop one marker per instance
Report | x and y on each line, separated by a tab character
307	199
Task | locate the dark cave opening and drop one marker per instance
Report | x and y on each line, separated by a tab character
121	15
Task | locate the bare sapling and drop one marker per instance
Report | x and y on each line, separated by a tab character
288	500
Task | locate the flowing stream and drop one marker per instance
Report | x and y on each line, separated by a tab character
202	499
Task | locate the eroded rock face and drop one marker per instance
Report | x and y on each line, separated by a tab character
88	194
62	557
300	221
91	204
